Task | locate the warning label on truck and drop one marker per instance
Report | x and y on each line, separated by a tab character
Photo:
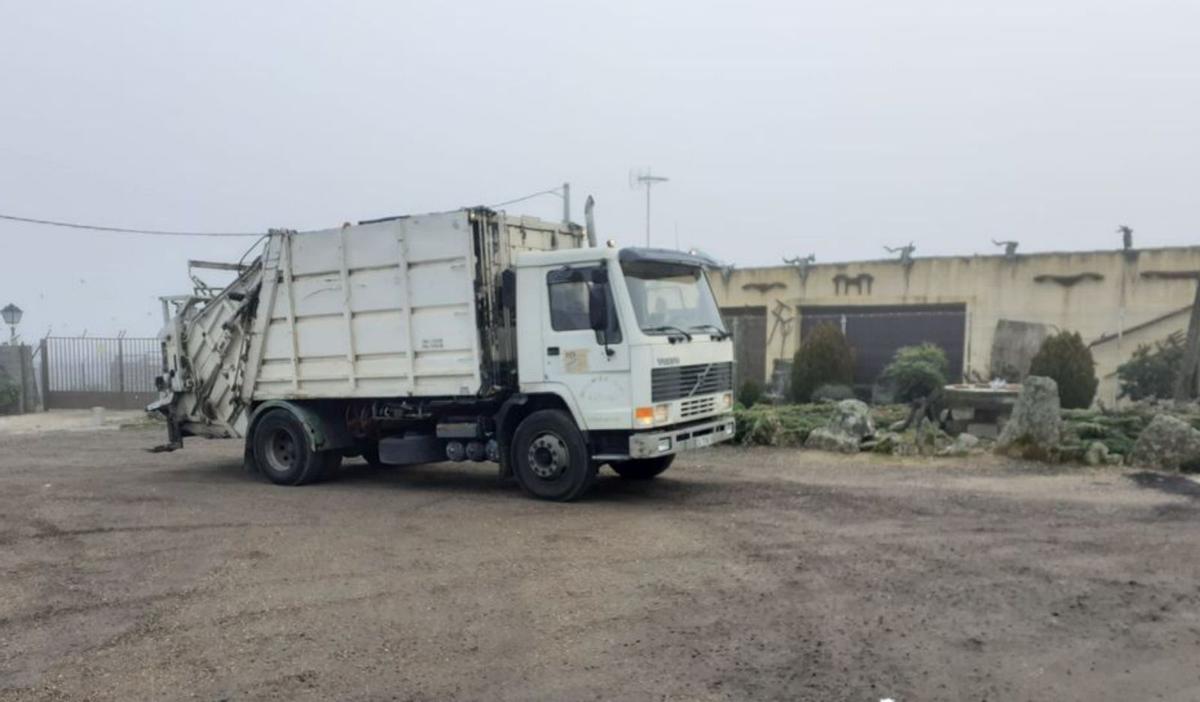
575	361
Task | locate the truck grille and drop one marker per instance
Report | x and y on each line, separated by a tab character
697	405
687	381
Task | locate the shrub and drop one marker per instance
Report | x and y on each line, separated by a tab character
829	391
779	425
1151	371
824	358
917	371
790	425
1116	430
1068	361
10	394
749	394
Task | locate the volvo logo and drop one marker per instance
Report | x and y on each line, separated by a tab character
700	380
668	361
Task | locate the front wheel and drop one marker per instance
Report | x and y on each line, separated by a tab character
550	458
643	468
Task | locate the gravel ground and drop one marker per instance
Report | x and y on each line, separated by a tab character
69	420
740	574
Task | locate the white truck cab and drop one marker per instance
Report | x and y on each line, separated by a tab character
633	342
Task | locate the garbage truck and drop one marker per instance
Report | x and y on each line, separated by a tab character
470	335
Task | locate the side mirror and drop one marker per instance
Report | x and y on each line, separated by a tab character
597	307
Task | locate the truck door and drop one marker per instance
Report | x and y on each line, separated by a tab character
592	364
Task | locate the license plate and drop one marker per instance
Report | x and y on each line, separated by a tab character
704	441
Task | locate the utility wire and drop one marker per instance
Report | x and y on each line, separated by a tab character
120	230
552	191
160	232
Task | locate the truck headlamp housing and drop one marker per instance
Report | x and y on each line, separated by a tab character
727	401
651	416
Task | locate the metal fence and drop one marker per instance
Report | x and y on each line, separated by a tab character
117	373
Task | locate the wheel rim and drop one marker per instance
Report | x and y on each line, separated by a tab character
282	453
548	455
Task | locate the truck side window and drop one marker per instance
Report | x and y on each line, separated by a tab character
569	303
569	306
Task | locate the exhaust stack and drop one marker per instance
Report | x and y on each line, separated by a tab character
590	221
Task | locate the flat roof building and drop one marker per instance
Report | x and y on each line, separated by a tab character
989	313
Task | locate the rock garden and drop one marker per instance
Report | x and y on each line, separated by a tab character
1051	418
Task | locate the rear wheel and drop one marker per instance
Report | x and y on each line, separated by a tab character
283	454
550	458
643	468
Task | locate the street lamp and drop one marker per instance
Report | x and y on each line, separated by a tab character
12	317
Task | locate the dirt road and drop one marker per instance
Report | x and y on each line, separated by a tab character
740	574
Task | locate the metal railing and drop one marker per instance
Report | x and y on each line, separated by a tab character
117	373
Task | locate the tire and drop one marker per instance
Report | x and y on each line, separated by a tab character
550	458
282	452
643	468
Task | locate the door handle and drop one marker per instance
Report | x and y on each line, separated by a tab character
551	350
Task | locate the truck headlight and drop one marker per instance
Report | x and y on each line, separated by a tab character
727	400
650	416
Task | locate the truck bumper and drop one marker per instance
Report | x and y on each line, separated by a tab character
675	439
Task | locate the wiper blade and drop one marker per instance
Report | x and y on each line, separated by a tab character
721	334
668	328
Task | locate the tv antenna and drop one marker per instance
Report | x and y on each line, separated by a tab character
649	180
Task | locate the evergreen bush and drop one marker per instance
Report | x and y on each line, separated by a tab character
1064	358
749	394
917	371
824	358
1151	371
10	394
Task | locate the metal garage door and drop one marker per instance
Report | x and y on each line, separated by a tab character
749	328
876	332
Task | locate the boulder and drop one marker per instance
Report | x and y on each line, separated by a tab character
849	424
1035	427
852	417
886	442
924	440
1167	442
1096	454
826	439
963	445
929	438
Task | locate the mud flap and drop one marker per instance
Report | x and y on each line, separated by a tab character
249	462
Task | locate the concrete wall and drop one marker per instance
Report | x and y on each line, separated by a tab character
1114	299
16	362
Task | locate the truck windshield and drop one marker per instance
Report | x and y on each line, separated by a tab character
670	298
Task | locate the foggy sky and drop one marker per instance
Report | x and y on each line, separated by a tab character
785	127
